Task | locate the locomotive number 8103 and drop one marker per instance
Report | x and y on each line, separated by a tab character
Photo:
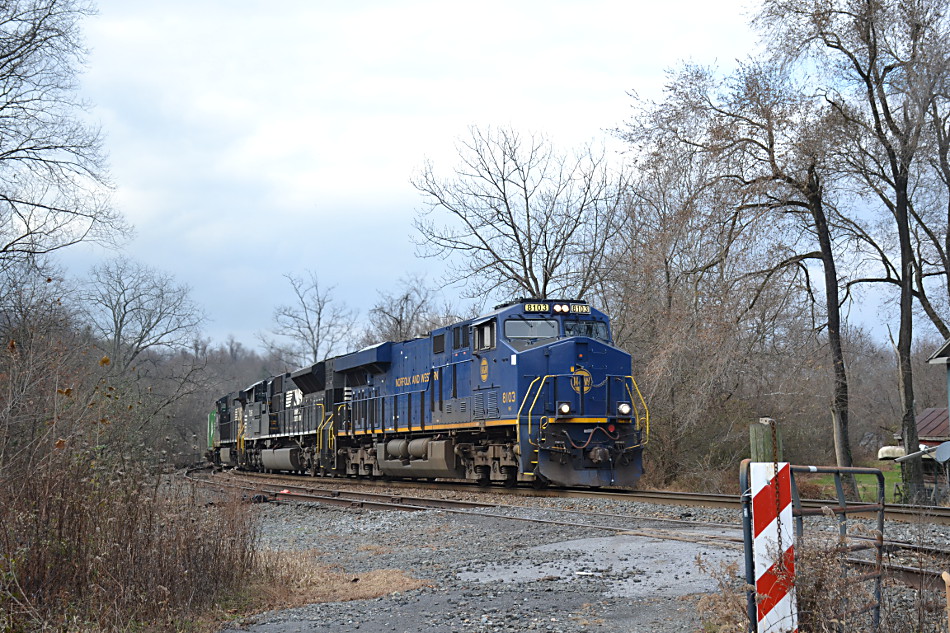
533	391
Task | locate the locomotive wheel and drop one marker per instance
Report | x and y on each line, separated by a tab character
511	476
484	475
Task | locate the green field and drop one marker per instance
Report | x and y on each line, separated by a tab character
824	485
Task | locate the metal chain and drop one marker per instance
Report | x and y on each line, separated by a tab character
778	503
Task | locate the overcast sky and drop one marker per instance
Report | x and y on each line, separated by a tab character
251	139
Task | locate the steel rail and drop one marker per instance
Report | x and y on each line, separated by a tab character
915	577
421	501
469	508
667	498
893	512
911	576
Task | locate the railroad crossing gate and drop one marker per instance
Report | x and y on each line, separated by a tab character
771	505
773	549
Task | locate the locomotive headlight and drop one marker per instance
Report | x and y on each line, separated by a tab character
564	408
624	409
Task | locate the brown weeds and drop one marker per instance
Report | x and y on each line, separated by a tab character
90	545
723	611
293	578
831	595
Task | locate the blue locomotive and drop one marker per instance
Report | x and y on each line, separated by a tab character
533	391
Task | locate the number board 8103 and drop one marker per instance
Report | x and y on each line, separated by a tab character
579	309
537	307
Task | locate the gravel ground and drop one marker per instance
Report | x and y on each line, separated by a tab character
497	574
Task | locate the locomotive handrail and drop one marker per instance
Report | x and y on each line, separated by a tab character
331	438
342	419
644	418
537	395
527	393
321	422
646	409
521	408
533	403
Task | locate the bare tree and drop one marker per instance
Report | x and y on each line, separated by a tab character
712	345
521	217
930	204
53	185
134	309
311	329
412	310
148	327
877	62
770	139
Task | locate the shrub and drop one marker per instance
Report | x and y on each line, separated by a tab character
85	543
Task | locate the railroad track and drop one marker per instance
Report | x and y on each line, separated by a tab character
281	490
892	512
290	489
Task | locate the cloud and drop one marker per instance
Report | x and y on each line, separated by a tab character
248	140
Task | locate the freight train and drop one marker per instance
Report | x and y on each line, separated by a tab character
533	391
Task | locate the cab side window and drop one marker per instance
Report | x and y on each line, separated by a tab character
460	337
485	335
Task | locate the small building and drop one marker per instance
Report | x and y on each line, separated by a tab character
933	429
942	357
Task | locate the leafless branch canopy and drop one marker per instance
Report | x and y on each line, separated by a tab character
54	190
409	311
311	329
517	217
133	308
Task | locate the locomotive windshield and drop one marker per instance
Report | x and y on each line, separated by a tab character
523	333
590	329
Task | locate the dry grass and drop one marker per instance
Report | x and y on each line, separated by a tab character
92	544
88	546
292	578
724	610
828	600
809	489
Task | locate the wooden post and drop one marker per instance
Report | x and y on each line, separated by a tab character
765	441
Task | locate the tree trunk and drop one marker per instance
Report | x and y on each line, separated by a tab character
912	472
839	401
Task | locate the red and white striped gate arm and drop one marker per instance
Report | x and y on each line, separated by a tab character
773	547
